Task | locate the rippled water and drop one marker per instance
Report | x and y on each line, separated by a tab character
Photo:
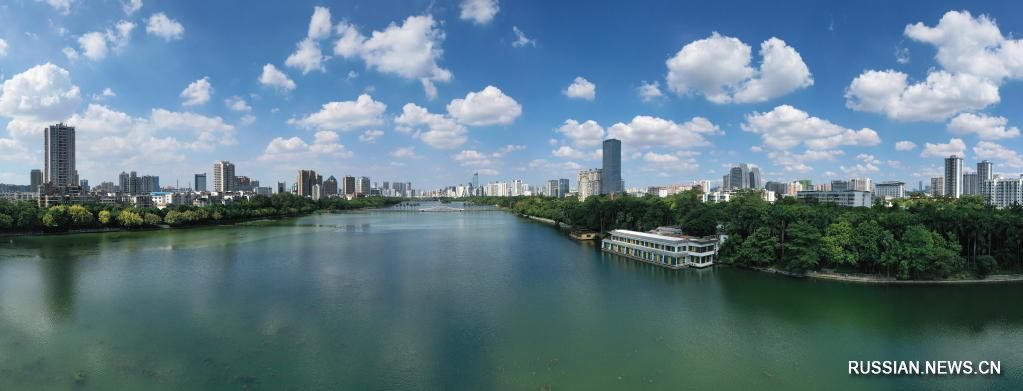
470	300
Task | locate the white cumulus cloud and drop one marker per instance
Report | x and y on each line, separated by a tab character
273	77
581	89
985	127
487	107
646	131
719	68
346	115
441	131
586	134
479	11
164	27
999	153
198	92
905	145
786	127
410	50
954	146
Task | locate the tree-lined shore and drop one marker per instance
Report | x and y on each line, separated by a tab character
921	239
27	217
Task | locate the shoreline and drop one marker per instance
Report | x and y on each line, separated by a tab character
845	277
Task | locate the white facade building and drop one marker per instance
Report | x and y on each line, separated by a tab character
672	251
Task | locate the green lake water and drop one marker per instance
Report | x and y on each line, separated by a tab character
378	300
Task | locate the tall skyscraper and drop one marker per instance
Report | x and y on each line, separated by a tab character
475	180
124	183
953	176
305	182
563	187
223	176
35	179
743	176
611	179
200	182
59	156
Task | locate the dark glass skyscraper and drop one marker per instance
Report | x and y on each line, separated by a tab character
611	178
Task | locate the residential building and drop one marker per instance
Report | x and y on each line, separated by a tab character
724	196
330	186
664	246
305	182
937	186
362	186
856	198
953	176
971	184
552	188
611	170
890	190
563	187
348	185
1003	193
590	183
59	156
837	185
200	182
223	176
282	187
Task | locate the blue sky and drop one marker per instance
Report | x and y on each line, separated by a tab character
431	92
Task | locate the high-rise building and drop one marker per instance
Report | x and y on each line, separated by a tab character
590	183
223	176
362	185
953	176
611	179
148	184
984	171
971	184
861	184
937	186
200	182
59	156
348	184
282	187
743	176
330	186
84	184
516	187
35	179
563	187
552	188
305	182
838	185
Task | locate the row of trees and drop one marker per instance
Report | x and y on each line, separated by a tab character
25	216
910	239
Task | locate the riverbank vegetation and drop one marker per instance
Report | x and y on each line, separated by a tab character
911	239
26	217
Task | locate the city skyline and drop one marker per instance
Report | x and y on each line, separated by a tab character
161	89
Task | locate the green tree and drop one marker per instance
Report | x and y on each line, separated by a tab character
759	249
152	219
105	217
130	219
837	245
57	218
80	216
801	247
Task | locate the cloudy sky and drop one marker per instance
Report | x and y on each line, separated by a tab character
432	91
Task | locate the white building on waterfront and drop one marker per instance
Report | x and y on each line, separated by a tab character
665	246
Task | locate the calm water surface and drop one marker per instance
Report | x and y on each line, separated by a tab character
475	300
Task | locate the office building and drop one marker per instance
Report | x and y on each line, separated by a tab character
890	190
200	182
861	184
837	185
563	187
743	176
282	187
589	183
35	179
611	171
953	176
59	156
223	176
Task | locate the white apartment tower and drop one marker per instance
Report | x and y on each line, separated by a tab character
223	176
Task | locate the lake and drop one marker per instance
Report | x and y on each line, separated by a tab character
482	299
